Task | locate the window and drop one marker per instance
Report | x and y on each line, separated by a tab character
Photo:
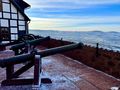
0	5
6	7
4	34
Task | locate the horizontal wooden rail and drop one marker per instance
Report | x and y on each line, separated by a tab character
25	57
16	60
60	49
31	42
38	41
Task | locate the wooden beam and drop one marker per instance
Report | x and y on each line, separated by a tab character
9	71
16	60
23	69
37	70
60	49
17	82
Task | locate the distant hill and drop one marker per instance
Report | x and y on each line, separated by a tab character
109	40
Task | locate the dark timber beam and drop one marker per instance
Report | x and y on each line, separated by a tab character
16	60
32	42
23	69
17	82
60	49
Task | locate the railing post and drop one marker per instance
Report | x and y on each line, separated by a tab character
9	71
61	42
16	52
37	70
97	49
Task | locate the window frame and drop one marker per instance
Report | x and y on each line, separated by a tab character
4	36
1	8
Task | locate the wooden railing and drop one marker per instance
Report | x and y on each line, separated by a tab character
23	47
32	59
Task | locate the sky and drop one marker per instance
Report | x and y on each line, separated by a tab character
74	15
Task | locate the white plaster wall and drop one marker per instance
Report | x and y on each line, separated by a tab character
20	16
21	22
14	30
6	15
4	23
21	28
14	16
6	7
5	41
5	1
13	9
13	22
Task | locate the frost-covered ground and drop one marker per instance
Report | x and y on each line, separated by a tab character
65	73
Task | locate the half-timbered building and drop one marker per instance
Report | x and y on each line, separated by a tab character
13	20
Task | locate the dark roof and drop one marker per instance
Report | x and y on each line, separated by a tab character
21	6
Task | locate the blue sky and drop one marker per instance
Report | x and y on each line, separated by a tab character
74	15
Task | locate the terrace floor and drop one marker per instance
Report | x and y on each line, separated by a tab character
66	74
